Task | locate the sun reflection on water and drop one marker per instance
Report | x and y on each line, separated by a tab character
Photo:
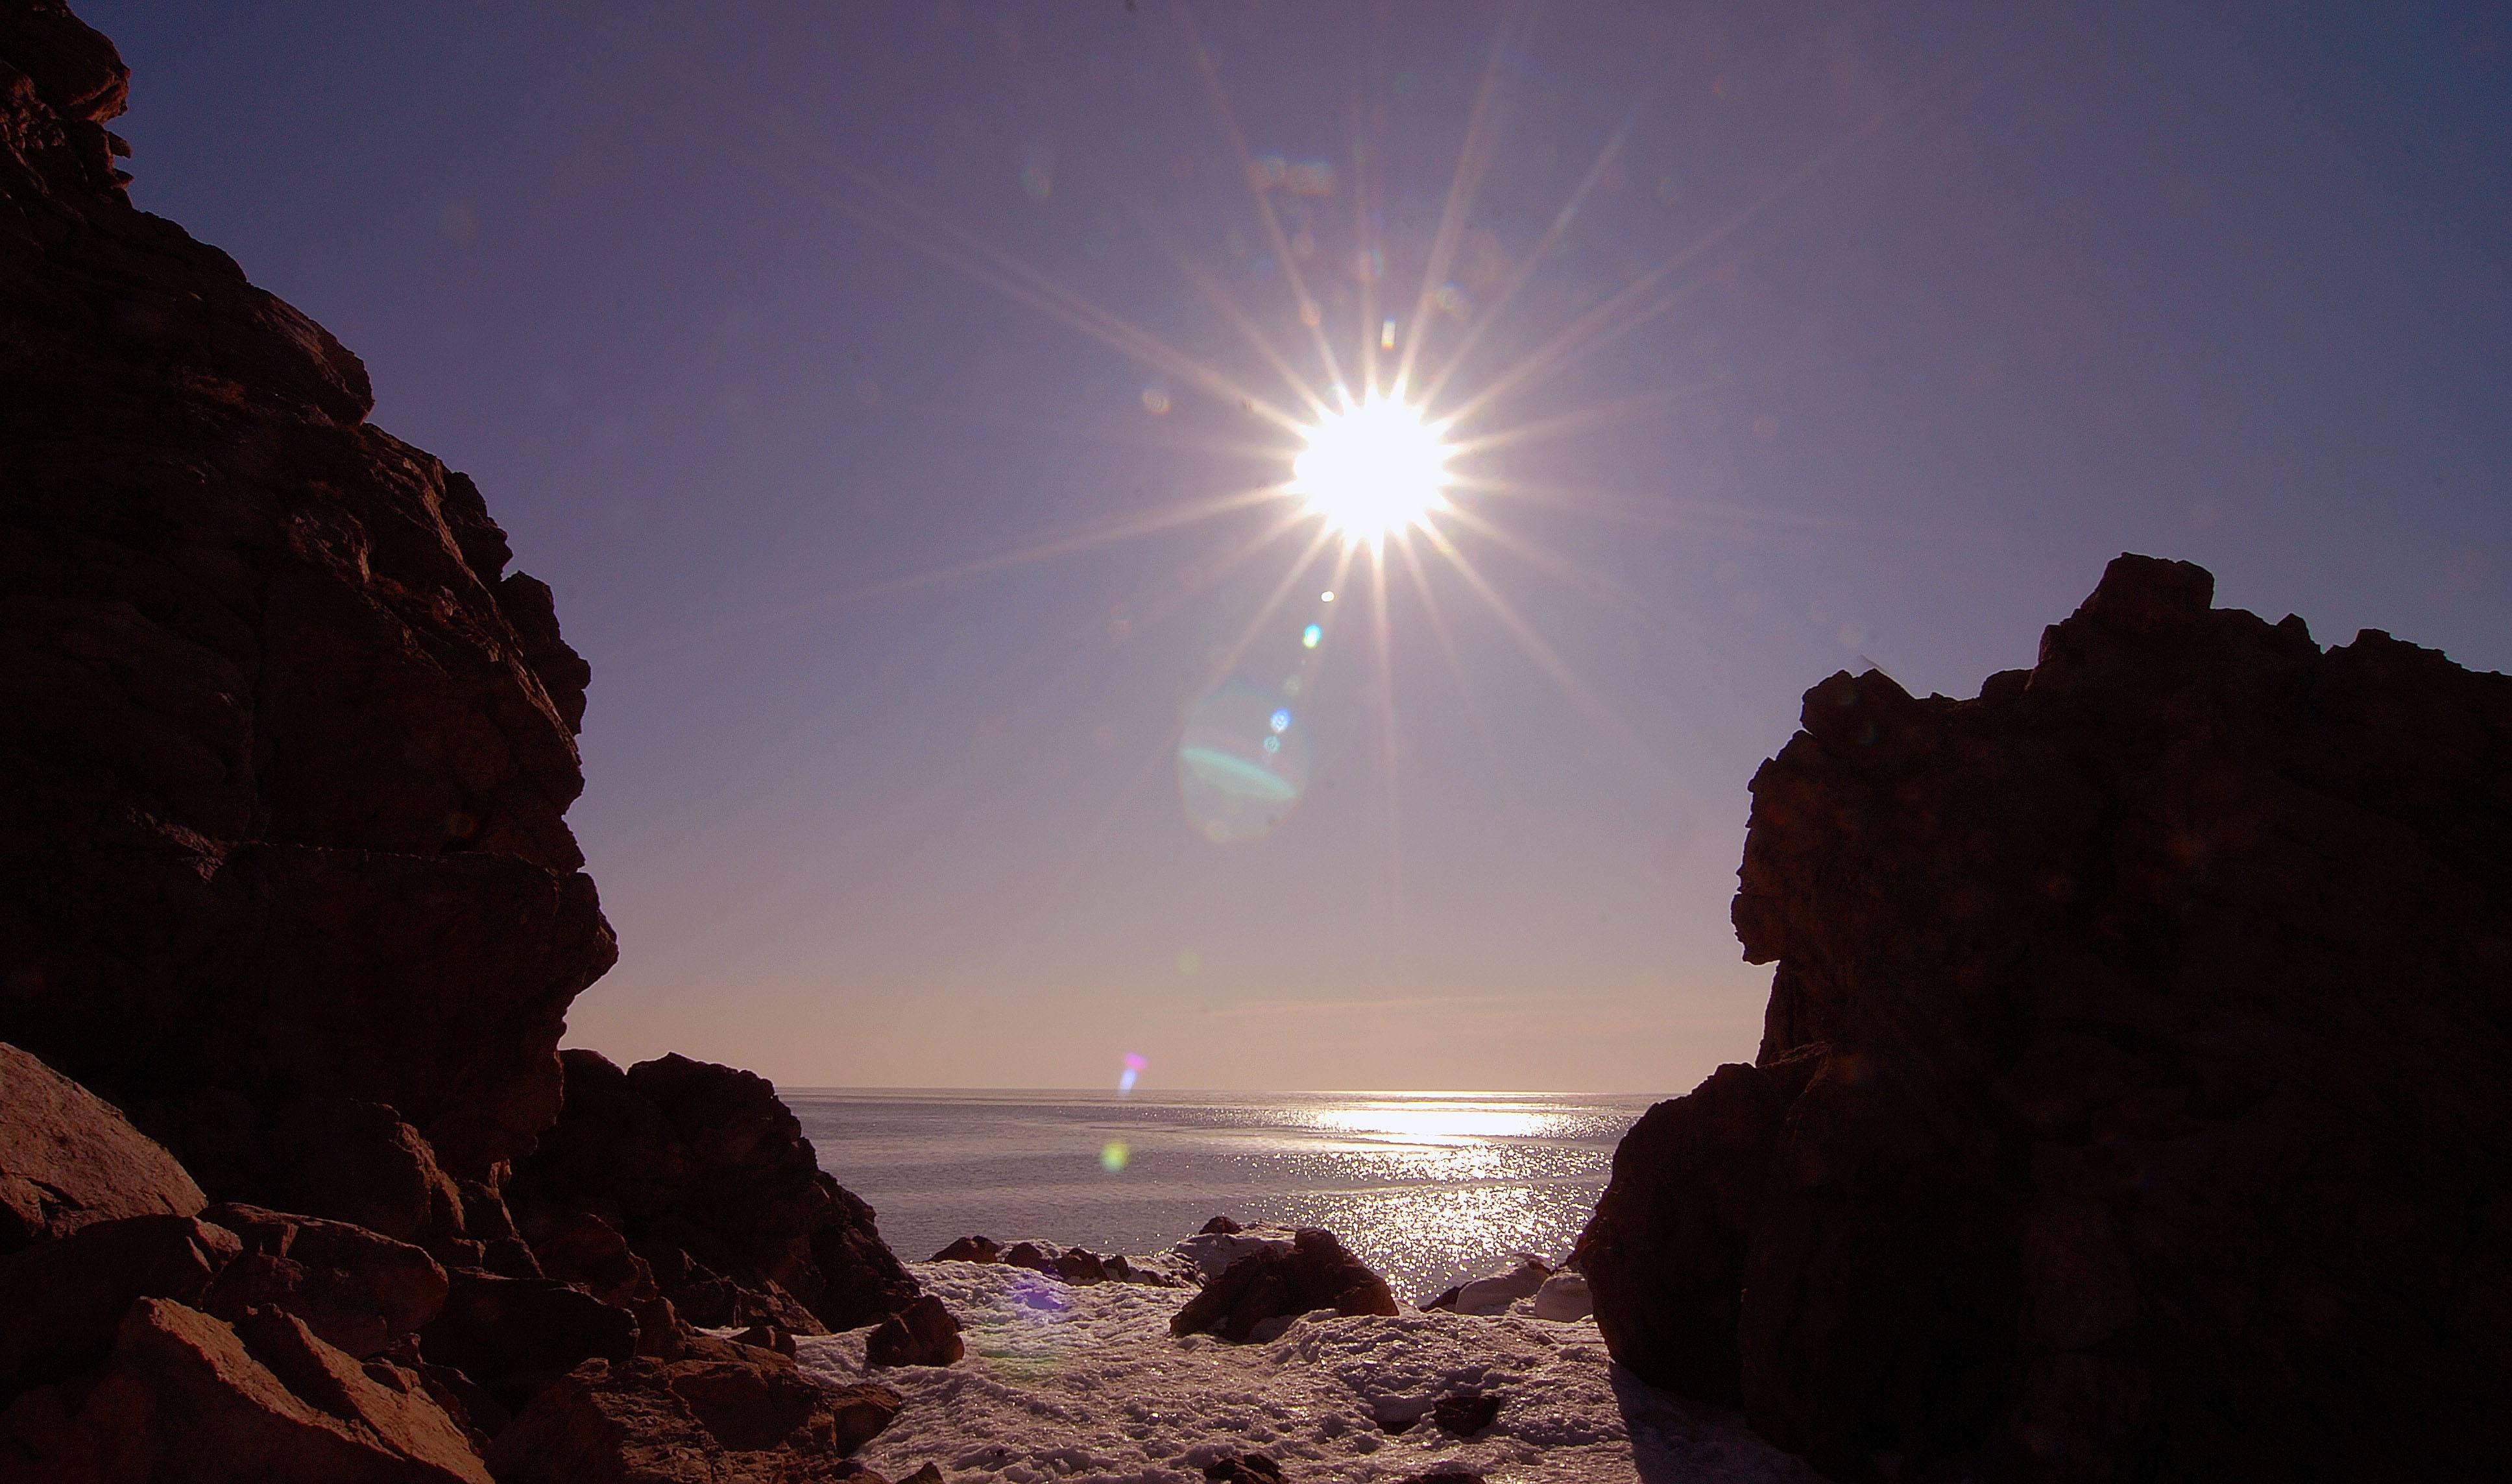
1446	1124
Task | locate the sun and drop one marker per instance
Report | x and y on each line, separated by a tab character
1372	469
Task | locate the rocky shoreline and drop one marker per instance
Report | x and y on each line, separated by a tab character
2128	1104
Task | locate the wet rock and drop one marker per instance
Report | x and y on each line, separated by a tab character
357	1290
1071	1265
1207	1256
970	1249
61	1303
1493	1295
67	1157
708	1177
1244	1468
288	748
923	1333
1564	1296
516	1335
1316	1274
1151	1269
1465	1413
757	1420
2130	1095
186	1396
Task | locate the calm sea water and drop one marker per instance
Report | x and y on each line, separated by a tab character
1429	1189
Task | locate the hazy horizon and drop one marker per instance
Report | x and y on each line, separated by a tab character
818	362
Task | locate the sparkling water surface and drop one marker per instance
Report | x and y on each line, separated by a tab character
1427	1187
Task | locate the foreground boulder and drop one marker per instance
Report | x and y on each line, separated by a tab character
706	1174
735	1421
67	1157
2131	1101
288	748
185	1396
1270	1283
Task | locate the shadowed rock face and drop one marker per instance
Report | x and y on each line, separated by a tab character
706	1172
2130	1103
286	745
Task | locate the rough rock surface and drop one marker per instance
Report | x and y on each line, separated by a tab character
63	1303
2130	1099
707	1175
1269	1283
731	1422
516	1335
288	746
359	1291
186	1396
67	1157
923	1333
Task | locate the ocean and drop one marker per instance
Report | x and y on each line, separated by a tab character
1429	1189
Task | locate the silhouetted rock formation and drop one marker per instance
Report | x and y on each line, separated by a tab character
707	1175
283	875
2130	1099
287	747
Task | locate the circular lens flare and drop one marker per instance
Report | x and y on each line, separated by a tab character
1372	469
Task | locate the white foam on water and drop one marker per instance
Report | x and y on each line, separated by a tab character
1086	1385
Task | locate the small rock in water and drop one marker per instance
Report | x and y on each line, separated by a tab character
1077	1264
1316	1272
923	1333
1244	1468
1220	1226
972	1249
1465	1413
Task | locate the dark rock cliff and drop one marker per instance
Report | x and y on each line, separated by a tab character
2130	1099
285	752
287	747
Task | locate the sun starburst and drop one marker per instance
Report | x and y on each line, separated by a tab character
1386	441
1372	468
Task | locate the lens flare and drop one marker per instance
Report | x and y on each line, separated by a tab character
1114	1157
1372	469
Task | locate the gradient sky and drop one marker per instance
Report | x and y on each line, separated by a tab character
1976	298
